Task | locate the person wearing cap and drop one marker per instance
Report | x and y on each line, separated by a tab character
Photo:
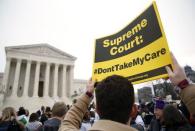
159	106
156	123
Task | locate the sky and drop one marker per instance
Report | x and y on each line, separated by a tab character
73	25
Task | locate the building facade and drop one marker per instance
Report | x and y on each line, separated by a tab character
37	75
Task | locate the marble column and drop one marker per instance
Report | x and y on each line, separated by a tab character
16	78
71	77
64	80
6	74
27	78
55	87
46	83
36	82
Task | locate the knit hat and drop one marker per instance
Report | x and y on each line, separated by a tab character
160	104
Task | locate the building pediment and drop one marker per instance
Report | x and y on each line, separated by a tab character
41	50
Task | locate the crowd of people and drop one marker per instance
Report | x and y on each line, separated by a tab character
44	119
114	109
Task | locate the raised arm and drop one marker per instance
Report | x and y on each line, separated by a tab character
74	116
178	78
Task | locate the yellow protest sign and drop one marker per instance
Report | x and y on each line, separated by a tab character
138	52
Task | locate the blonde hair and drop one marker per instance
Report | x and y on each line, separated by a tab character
8	113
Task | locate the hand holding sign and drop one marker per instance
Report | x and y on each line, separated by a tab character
90	86
178	74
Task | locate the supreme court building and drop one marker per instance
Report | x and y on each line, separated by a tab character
37	75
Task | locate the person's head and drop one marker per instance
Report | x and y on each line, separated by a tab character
173	117
115	98
68	107
27	112
158	109
74	101
8	114
59	109
38	113
21	111
34	117
47	109
42	108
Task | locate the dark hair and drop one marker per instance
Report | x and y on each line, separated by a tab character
173	118
68	107
74	101
21	111
33	117
38	113
115	98
43	108
59	109
47	109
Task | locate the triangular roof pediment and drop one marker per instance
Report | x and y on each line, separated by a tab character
41	49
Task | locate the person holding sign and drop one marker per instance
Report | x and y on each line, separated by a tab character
187	89
115	101
115	106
